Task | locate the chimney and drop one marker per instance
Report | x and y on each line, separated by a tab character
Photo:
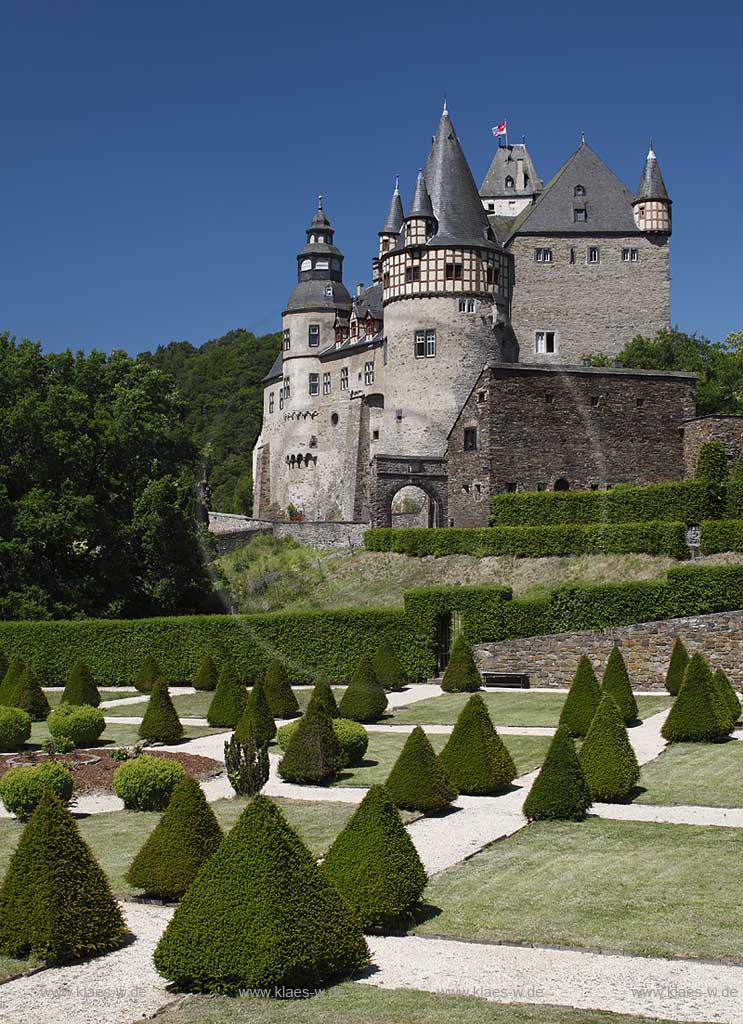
520	181
359	289
376	270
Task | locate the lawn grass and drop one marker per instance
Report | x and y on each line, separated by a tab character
11	968
384	748
364	1004
196	705
515	707
55	697
635	887
710	774
116	735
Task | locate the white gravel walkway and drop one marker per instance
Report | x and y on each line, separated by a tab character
725	817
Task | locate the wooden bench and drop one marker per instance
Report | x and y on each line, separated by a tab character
511	680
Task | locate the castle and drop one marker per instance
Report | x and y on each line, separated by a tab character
462	369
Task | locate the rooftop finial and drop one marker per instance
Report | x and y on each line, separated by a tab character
582	138
397	185
651	154
445	111
319	202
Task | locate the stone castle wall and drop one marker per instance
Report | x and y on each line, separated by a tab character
728	429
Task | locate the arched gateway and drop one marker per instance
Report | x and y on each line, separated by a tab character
390	473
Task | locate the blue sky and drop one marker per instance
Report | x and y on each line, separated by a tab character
160	161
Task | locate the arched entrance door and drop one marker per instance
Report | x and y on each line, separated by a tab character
413	506
562	484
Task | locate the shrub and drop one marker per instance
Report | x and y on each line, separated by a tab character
560	791
15	728
697	715
608	761
374	864
364	699
712	463
247	764
80	687
725	711
418	781
388	669
22	788
256	718
322	692
160	722
229	700
80	723
725	688
55	901
29	696
314	754
3	664
148	673
146	783
719	535
461	675
260	913
352	736
279	694
206	674
12	674
475	757
182	841
582	700
677	666
617	684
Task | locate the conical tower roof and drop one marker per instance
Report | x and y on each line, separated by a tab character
319	219
420	204
395	214
651	184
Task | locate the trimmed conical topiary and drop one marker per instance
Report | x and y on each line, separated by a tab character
279	693
30	697
388	669
475	757
160	721
617	684
560	791
677	666
182	842
725	687
418	781
260	913
314	754
55	901
206	674
9	684
148	674
461	675
322	692
582	700
256	718
608	761
374	864
80	686
698	715
364	699
229	700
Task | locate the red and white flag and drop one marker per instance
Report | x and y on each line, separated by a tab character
500	129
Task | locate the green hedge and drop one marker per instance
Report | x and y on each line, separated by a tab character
688	501
717	535
649	538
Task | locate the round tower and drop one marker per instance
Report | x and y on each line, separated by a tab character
651	205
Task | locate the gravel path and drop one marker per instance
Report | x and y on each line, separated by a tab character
726	817
673	989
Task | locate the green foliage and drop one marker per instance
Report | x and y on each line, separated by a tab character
29	695
183	840
720	686
725	688
532	541
677	666
461	675
352	736
364	699
229	700
3	663
616	683
560	791
55	900
418	781
22	788
582	700
720	535
148	674
256	719
607	758
97	506
374	864
15	728
322	692
146	783
388	669
261	913
279	694
247	764
80	687
206	675
82	724
9	684
698	714
475	757
712	463
160	721
314	754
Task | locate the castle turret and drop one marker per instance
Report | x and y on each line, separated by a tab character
651	205
420	222
393	222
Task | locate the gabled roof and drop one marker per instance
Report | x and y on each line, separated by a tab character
370	301
607	201
651	184
504	166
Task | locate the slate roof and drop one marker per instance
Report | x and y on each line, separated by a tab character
370	301
277	370
503	165
311	295
352	345
651	184
607	200
420	204
395	215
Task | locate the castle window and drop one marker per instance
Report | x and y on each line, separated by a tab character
595	400
334	419
306	265
466	305
511	487
344	378
369	373
413	272
286	387
579	214
639	402
543	255
386	279
491	207
593	254
481	396
579	190
281	399
375	435
314	335
478	489
509	182
470	439
572	255
630	255
453	271
425	344
313	444
491	276
314	383
326	383
322	265
287	340
385	245
544	342
549	398
270	402
328	291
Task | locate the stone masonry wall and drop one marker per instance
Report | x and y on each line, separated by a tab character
728	429
646	647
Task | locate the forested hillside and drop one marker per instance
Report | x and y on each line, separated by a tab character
220	383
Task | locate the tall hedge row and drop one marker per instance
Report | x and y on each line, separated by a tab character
649	538
716	535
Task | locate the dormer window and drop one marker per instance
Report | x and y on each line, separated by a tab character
509	182
306	265
579	214
579	191
328	291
